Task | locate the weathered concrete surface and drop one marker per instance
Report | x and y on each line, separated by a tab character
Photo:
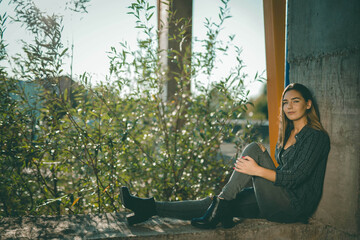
113	226
320	27
324	54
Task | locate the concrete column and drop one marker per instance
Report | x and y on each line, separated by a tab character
175	31
324	54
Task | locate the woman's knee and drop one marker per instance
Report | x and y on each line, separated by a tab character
262	147
254	147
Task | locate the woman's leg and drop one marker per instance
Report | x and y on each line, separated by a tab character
245	204
145	208
273	201
185	210
238	181
267	195
221	210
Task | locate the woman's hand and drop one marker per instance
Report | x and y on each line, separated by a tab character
247	165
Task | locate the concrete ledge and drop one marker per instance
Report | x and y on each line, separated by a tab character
114	226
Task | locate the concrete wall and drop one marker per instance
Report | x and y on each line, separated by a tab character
324	54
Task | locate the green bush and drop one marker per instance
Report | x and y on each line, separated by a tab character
67	147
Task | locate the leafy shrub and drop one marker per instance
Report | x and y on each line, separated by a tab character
67	147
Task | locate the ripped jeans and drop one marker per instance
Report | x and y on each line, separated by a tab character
263	200
273	201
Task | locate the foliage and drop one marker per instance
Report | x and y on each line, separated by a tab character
259	110
67	147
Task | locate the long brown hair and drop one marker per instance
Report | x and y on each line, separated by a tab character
312	114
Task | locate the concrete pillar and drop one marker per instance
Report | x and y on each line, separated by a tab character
324	54
175	31
274	22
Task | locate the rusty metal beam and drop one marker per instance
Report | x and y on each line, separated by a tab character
274	22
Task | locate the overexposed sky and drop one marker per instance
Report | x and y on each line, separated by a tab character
107	23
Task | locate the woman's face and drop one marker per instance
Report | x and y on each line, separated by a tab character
295	106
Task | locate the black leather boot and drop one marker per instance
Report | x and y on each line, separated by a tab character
143	208
219	211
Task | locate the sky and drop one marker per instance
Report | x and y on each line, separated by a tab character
107	23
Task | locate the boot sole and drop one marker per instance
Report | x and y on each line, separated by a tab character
135	219
204	226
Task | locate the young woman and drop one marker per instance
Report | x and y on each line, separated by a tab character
289	193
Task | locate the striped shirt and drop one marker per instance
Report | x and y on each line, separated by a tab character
301	169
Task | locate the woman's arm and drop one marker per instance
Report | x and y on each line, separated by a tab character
248	166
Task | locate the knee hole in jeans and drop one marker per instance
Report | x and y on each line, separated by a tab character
261	147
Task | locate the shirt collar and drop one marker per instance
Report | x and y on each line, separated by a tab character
302	132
